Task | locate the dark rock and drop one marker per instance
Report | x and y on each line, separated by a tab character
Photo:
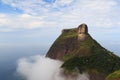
96	76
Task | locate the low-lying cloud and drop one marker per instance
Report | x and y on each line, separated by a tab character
41	68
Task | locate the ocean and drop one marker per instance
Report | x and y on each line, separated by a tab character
9	57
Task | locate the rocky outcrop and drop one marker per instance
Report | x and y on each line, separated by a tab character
83	29
82	32
70	42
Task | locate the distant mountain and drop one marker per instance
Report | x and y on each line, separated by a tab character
81	52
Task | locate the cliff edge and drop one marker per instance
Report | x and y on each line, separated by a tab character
74	42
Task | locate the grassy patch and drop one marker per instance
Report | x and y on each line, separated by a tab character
114	76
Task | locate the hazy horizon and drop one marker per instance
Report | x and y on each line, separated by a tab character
39	23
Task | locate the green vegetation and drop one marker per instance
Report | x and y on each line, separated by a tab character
80	48
103	63
68	46
87	47
85	55
88	55
114	76
67	34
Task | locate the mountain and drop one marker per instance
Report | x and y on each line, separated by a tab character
72	42
81	53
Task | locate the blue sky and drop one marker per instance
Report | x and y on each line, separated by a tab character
39	22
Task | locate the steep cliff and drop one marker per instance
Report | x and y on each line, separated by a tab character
81	52
75	42
71	43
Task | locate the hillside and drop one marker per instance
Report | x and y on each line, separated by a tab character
114	76
81	52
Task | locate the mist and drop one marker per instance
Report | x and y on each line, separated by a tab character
42	68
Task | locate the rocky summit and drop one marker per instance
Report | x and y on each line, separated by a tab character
73	42
81	53
69	42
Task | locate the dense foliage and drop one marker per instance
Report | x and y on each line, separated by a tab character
88	55
103	63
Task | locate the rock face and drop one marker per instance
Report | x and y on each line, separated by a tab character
70	42
82	32
83	29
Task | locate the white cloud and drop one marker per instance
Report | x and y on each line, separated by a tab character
37	6
41	68
99	5
24	21
40	6
60	3
63	13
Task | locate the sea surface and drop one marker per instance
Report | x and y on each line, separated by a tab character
9	57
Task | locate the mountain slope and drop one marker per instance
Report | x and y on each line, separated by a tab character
75	42
81	52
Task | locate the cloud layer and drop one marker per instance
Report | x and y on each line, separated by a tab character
23	21
37	7
40	68
62	13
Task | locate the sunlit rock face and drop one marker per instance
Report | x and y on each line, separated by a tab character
82	32
69	42
83	29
